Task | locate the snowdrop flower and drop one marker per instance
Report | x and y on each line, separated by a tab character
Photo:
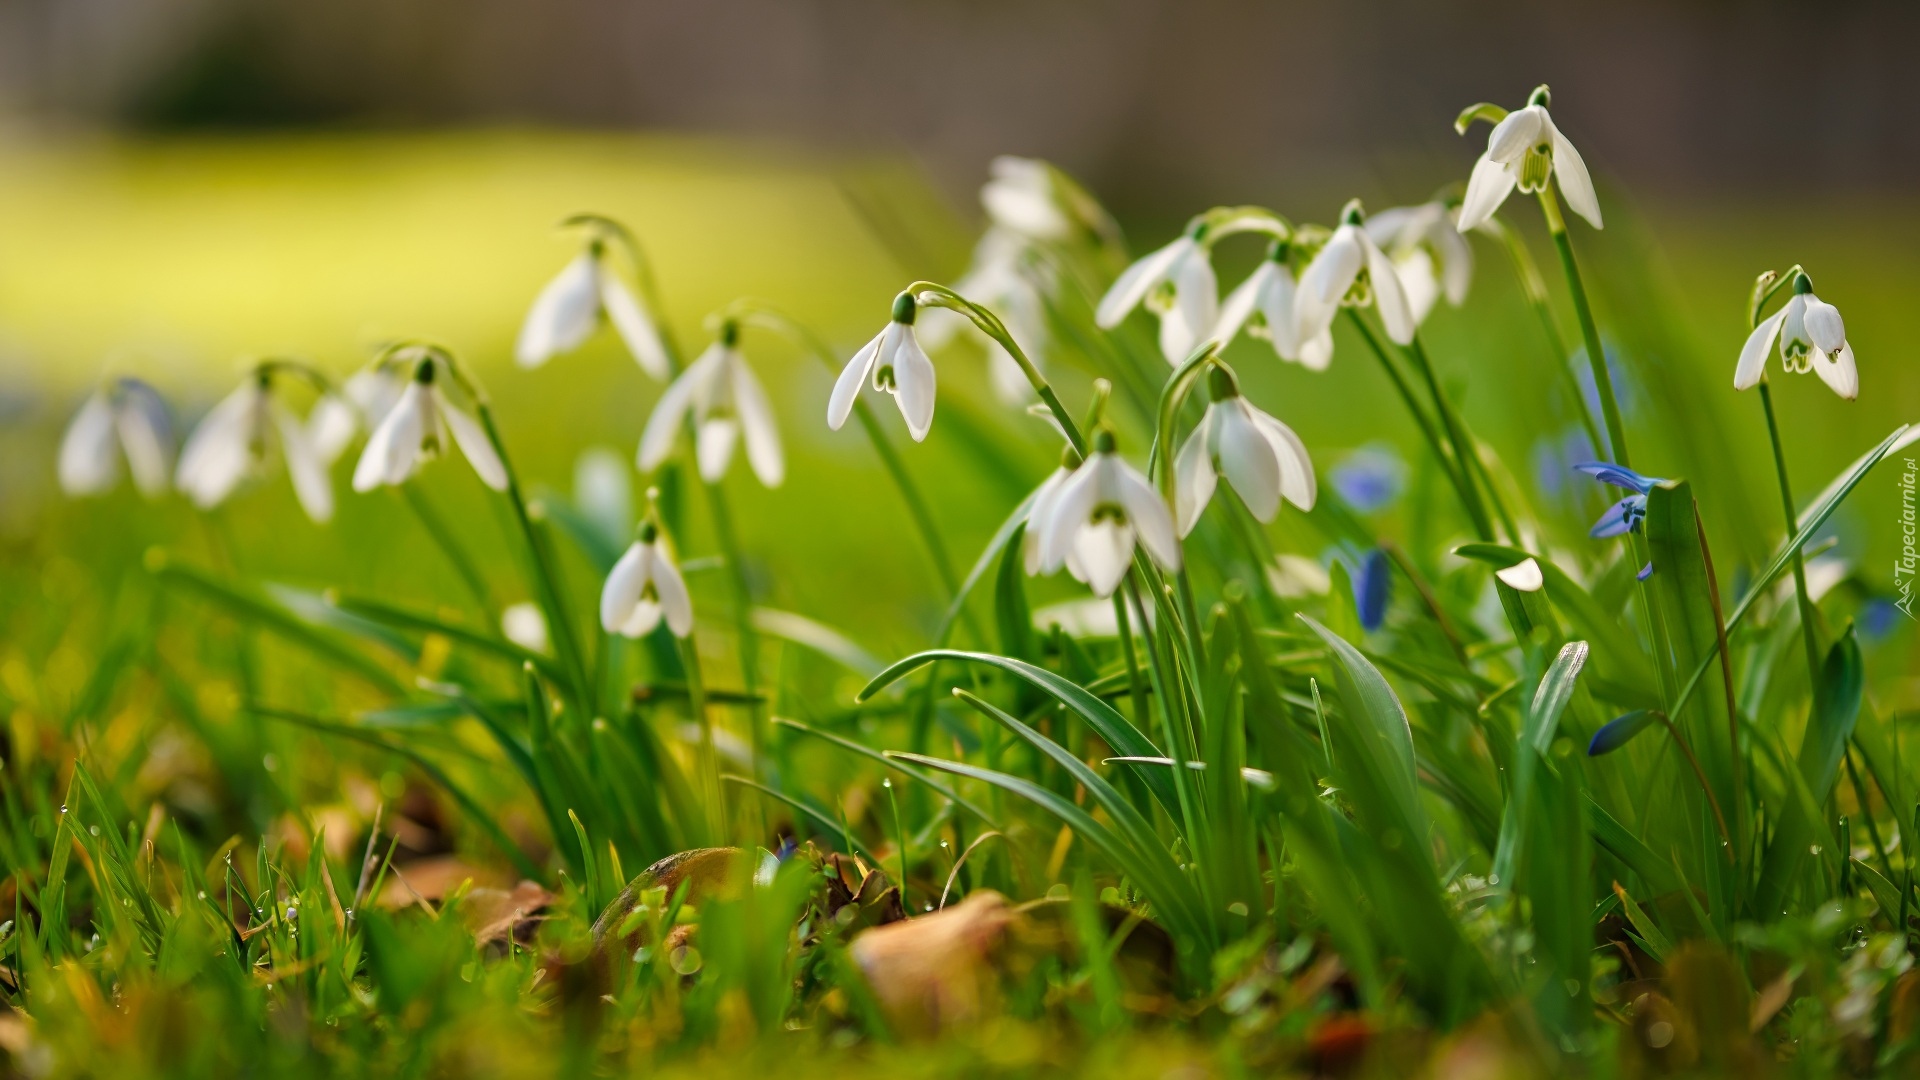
1428	251
331	425
1524	575
1260	456
1524	151
727	405
1352	271
1002	279
124	417
1812	338
568	310
417	429
1020	196
1264	305
1101	511
1176	283
525	626
645	587
237	438
1626	515
898	365
1044	499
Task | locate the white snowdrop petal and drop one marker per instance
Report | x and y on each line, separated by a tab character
220	452
1331	273
913	384
1137	281
1247	459
713	447
846	388
1456	260
1524	576
1388	296
1242	302
757	426
1515	135
562	316
89	463
1317	353
645	616
1753	355
1104	551
1824	326
1071	509
311	484
1193	475
1571	174
330	426
635	327
1419	281
1044	498
473	443
675	604
1148	513
1837	370
625	582
1487	187
1297	482
663	425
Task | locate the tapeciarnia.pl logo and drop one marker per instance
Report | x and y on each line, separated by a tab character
1905	566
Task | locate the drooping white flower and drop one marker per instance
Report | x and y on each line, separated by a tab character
331	425
897	364
1020	196
1101	511
1176	283
236	440
418	428
1813	338
727	404
1045	497
643	588
1351	270
1003	280
1428	251
125	417
374	390
568	310
1524	575
1260	456
1264	305
1525	150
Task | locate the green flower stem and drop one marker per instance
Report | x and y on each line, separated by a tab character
716	823
546	580
1465	454
1596	355
1461	483
449	546
1136	686
1535	289
1809	631
936	295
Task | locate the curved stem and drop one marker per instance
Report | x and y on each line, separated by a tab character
1465	454
1535	289
1809	632
934	294
1596	355
1420	417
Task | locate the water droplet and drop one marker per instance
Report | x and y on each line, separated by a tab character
1659	1034
63	808
1493	879
203	894
1814	850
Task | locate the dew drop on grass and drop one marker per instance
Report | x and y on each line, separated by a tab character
1814	850
1659	1034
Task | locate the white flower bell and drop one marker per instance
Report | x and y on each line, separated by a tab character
1099	514
568	310
1812	338
1432	257
1260	456
1350	270
1044	498
1525	150
125	417
1264	306
418	428
1524	575
236	440
645	587
727	405
1176	283
897	365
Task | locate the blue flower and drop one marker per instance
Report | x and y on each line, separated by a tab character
1626	515
1369	478
1373	588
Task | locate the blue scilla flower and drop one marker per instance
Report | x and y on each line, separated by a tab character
1372	588
1626	515
1370	478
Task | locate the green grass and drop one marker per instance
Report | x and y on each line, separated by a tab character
210	719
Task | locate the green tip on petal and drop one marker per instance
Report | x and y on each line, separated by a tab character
1103	441
423	372
904	309
1280	250
730	331
649	532
1353	213
1220	383
1541	96
1802	284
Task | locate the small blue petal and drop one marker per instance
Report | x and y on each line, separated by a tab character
1879	618
1618	475
1645	572
1373	588
1369	478
1617	732
1621	518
